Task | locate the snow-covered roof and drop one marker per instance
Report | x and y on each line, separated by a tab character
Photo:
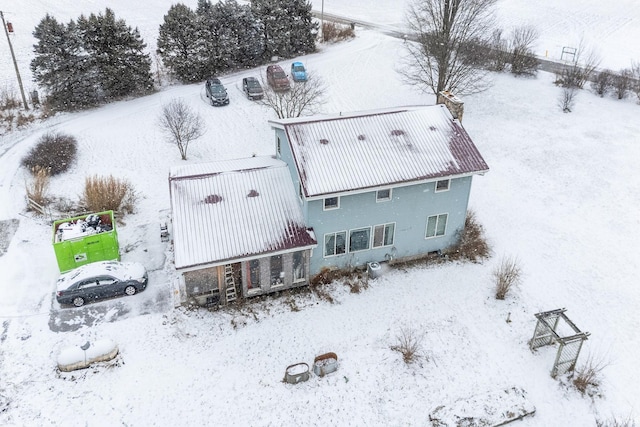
379	148
234	209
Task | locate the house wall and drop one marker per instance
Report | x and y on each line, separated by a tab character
409	208
203	286
267	284
283	152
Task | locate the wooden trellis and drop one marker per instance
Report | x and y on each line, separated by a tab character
551	328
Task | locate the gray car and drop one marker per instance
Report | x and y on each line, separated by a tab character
98	280
216	92
252	88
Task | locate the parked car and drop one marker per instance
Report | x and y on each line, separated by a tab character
277	79
216	92
298	72
98	280
251	87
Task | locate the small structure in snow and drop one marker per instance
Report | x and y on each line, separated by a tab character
551	328
73	358
296	373
490	409
325	364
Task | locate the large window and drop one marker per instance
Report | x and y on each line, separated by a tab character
331	203
436	225
383	235
299	271
359	239
383	195
335	243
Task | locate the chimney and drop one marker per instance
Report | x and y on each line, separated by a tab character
452	102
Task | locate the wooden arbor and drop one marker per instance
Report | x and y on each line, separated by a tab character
554	326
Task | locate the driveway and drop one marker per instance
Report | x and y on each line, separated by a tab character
157	298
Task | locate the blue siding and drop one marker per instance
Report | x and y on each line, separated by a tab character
409	209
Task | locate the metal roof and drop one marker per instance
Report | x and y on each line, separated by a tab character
375	149
234	209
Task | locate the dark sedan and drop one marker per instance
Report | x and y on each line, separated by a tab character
99	280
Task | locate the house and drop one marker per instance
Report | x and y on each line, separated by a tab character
341	192
237	225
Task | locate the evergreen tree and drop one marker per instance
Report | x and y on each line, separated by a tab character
286	26
60	65
178	43
245	34
117	55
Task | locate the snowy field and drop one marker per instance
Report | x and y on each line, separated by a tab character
611	28
562	196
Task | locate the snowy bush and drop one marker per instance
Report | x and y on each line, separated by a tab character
587	376
108	193
622	83
332	32
567	98
506	275
472	243
408	344
55	153
38	187
615	422
602	82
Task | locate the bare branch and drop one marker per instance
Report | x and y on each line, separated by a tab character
304	98
181	125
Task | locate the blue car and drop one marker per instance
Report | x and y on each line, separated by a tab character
298	72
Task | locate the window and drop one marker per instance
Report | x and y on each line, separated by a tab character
359	239
278	146
436	225
442	185
383	235
277	275
298	267
334	243
331	203
254	274
383	195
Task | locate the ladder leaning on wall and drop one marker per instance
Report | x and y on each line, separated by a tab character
230	283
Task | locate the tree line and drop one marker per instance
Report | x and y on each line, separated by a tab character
99	58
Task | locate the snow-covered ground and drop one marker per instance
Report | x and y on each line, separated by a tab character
562	196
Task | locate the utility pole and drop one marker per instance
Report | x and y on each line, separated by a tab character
15	64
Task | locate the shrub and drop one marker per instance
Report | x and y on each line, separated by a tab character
108	193
408	344
567	98
506	275
334	32
38	187
54	152
622	83
614	422
472	243
602	82
24	119
357	281
588	375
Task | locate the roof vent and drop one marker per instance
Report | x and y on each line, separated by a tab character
432	128
361	137
213	198
397	132
253	193
324	141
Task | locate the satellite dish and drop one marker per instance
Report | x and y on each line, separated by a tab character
85	346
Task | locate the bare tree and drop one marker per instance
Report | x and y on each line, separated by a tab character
580	71
635	84
567	98
622	83
181	125
447	31
498	56
304	98
523	60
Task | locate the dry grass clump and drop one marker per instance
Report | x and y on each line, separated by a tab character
38	188
357	281
108	193
408	344
472	243
334	32
615	422
54	152
506	275
587	377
